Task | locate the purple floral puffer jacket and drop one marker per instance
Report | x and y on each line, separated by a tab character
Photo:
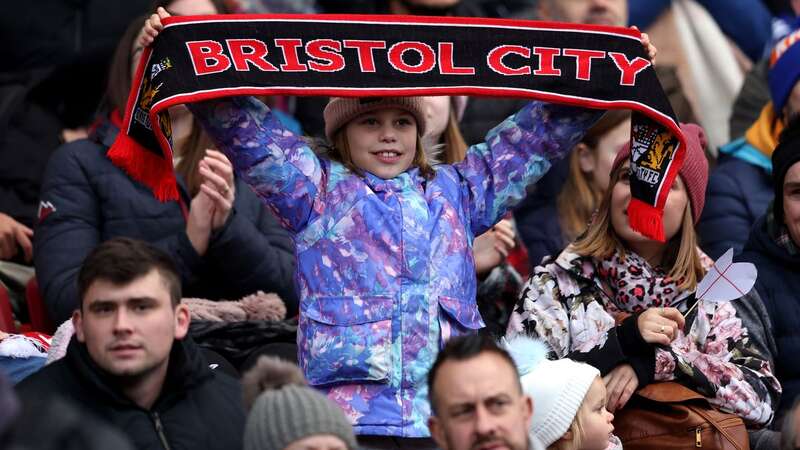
385	269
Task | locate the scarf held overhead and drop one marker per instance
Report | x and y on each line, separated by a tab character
204	57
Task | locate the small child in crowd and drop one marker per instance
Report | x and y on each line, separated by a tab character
569	399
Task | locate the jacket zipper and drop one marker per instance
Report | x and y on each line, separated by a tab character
160	430
698	437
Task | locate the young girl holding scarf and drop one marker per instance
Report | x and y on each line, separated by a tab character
384	240
617	300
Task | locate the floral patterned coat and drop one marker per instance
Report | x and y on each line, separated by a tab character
726	354
385	268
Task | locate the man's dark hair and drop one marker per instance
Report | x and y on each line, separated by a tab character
463	348
786	154
123	260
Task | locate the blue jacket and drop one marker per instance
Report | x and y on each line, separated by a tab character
739	191
93	200
385	272
778	285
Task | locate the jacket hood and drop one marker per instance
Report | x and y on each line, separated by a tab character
105	129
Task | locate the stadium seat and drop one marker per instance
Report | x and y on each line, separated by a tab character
40	320
6	316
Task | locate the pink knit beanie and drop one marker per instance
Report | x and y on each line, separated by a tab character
694	172
341	110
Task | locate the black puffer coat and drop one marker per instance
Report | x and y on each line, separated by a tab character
198	409
92	200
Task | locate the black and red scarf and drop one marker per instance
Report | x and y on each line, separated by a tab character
204	57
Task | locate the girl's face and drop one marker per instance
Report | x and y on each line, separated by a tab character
437	113
595	418
383	142
677	202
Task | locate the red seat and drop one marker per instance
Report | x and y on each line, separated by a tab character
40	320
6	316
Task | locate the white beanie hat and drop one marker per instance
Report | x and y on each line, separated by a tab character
557	387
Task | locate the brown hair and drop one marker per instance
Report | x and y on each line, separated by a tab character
340	151
681	257
463	348
455	147
119	74
121	260
577	200
191	151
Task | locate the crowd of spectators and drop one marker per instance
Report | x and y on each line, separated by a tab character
250	314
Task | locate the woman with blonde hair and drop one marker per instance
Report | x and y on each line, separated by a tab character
619	301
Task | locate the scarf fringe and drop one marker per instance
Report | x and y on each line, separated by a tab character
646	219
144	166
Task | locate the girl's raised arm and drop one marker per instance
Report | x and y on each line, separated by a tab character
516	154
279	165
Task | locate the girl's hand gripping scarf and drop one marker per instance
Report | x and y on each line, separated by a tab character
204	57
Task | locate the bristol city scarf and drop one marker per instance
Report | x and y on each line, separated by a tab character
204	57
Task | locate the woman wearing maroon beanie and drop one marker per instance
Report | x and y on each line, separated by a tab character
617	300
